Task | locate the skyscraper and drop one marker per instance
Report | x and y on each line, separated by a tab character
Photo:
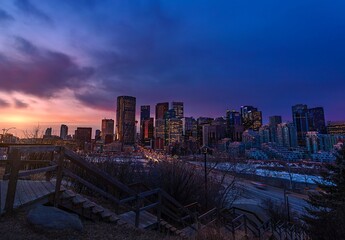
317	120
273	122
161	109
178	107
148	132
63	131
107	130
125	119
251	117
234	128
287	135
144	115
301	121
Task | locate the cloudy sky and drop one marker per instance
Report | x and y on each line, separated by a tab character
65	61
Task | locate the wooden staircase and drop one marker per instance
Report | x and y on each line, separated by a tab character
148	209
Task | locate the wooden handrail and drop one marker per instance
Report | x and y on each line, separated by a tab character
34	148
75	158
32	171
91	186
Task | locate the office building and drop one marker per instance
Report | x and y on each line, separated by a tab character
178	108
287	135
189	128
82	136
107	130
251	118
273	122
144	115
336	128
125	119
98	135
174	131
148	129
63	131
300	119
161	109
317	120
48	132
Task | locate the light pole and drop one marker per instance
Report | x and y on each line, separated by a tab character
205	151
286	202
4	131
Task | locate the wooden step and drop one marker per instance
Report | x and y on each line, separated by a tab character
88	204
114	218
78	199
67	194
146	219
97	209
106	213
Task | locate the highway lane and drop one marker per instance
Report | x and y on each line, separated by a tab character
297	202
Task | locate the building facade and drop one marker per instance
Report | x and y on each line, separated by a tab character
300	117
125	119
179	109
107	131
63	131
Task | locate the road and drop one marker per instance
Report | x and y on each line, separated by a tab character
250	192
297	202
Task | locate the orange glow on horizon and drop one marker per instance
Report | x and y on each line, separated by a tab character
62	109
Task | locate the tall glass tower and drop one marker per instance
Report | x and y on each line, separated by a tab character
125	119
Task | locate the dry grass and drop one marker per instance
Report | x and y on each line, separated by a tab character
16	227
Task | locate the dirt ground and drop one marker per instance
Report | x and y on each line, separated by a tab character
16	227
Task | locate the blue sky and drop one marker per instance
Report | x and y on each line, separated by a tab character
213	55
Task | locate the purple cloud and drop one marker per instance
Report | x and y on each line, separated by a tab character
4	103
43	72
4	16
20	104
28	8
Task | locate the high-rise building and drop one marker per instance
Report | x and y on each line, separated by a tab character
317	120
160	135
300	119
287	135
234	128
336	128
251	117
178	107
98	136
148	132
322	142
273	122
107	130
189	128
201	121
83	136
125	119
63	131
144	115
48	132
174	130
161	109
264	133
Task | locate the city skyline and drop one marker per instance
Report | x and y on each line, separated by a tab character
211	56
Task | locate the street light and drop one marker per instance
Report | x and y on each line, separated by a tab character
4	131
205	151
286	201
